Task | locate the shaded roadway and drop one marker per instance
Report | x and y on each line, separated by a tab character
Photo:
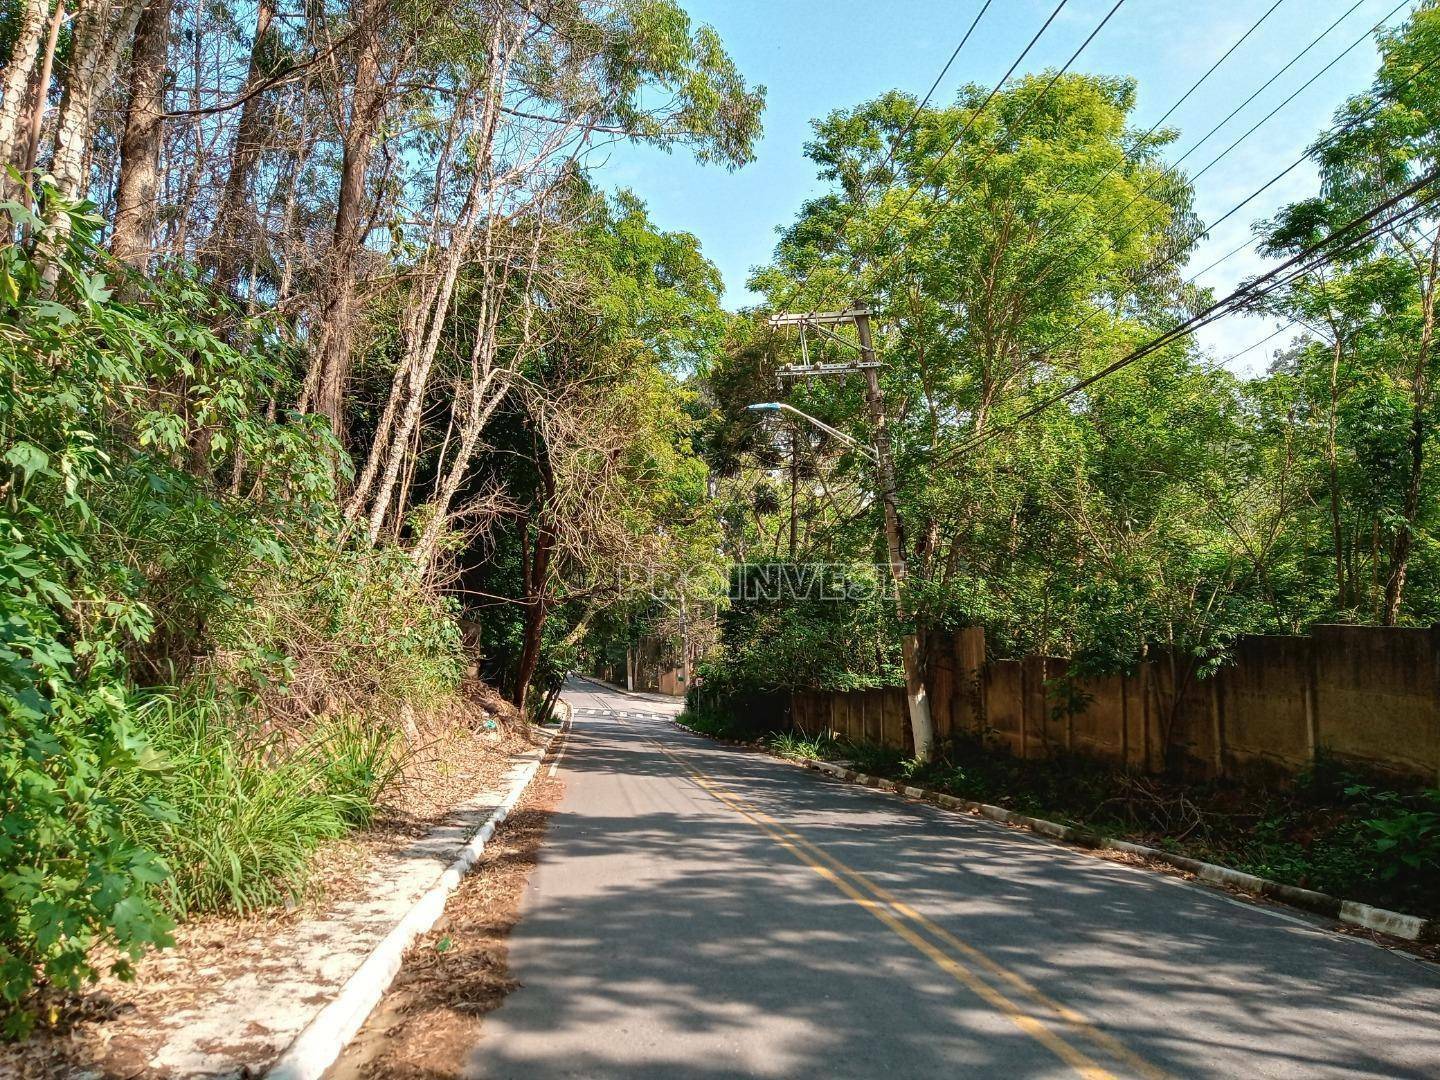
702	911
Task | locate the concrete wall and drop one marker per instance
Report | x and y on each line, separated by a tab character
1366	694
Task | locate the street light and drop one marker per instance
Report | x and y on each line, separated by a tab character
780	406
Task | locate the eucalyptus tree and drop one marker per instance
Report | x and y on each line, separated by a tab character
593	441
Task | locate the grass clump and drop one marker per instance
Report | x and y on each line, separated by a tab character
236	820
823	747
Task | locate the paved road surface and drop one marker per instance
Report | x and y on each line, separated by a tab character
704	912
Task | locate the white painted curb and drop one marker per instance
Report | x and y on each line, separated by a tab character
1407	927
315	1049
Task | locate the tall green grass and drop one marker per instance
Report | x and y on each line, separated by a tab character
238	819
802	747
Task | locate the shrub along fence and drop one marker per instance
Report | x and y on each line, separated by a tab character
1365	694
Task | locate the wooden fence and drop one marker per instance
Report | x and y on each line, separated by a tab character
1365	694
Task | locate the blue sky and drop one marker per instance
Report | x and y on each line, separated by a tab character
819	55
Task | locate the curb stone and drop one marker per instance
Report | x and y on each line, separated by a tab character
1350	912
315	1049
1408	927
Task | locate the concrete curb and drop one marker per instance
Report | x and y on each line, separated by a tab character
1406	927
643	695
316	1047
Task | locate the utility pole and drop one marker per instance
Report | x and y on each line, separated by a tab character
917	700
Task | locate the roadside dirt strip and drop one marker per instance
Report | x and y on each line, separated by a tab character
330	1030
455	974
235	992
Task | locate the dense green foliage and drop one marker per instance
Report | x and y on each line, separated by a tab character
352	354
1170	507
158	528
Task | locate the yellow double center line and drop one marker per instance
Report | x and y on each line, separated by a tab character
940	946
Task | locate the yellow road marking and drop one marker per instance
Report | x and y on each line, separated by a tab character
797	846
1075	1019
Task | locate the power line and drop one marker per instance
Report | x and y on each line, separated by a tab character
805	278
915	114
1296	321
1292	268
905	130
965	130
1170	170
1111	170
1251	348
889	265
1228	306
1338	133
1220	365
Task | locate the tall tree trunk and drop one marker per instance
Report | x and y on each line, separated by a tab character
224	254
1419	429
137	190
299	158
423	327
794	490
1332	462
537	587
337	323
15	80
41	92
94	57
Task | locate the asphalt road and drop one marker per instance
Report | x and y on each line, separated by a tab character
700	911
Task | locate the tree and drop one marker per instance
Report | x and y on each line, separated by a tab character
1383	141
1048	214
137	189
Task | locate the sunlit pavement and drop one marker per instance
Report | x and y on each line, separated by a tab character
704	911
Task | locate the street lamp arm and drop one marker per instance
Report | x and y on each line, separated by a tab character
777	406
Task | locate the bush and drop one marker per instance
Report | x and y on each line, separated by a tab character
240	819
161	526
342	631
70	876
839	634
706	722
804	747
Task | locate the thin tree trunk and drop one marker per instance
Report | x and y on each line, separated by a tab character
42	91
292	201
224	255
136	193
537	593
15	80
1331	456
483	402
1419	428
413	374
332	371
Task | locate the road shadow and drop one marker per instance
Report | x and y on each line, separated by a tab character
681	919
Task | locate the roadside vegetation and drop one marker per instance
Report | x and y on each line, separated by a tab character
198	692
1016	245
1170	507
1332	829
334	385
